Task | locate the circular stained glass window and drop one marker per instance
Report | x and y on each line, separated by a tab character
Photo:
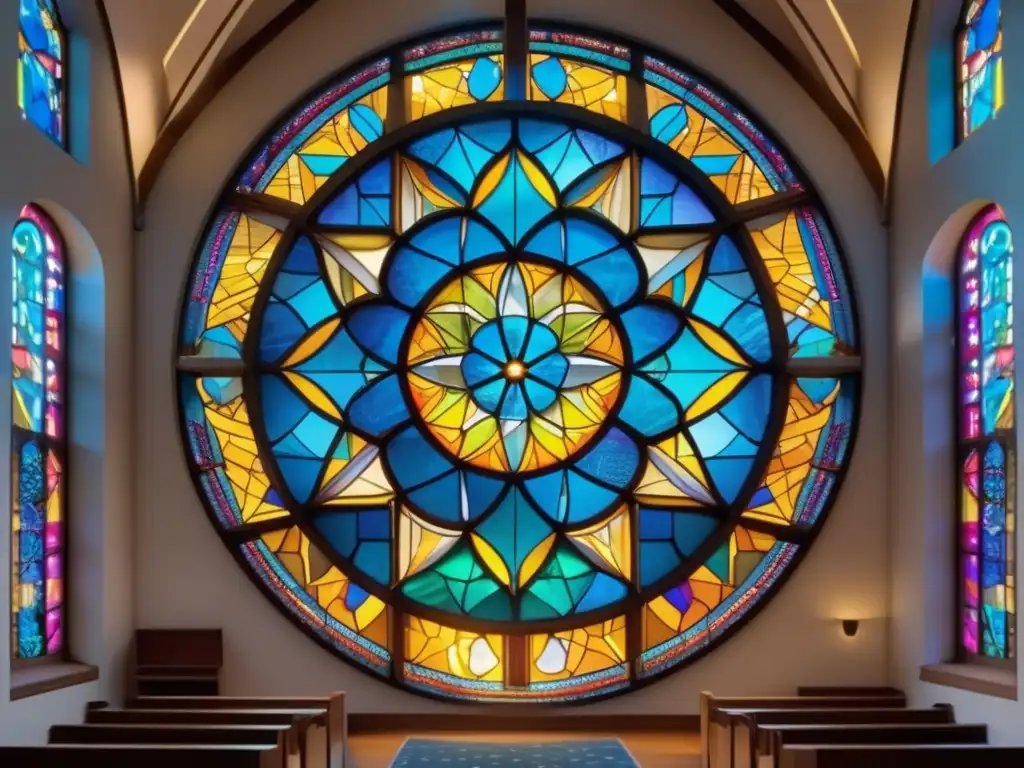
518	400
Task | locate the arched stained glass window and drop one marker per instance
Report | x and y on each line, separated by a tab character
518	400
42	50
987	437
38	448
979	44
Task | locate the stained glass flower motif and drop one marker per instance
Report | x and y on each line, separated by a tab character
524	404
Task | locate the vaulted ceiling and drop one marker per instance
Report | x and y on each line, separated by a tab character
850	51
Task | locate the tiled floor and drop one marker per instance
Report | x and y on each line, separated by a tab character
651	750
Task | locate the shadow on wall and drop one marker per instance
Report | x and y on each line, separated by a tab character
939	439
85	387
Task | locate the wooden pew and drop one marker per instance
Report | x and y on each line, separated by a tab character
142	755
327	737
781	736
849	690
715	735
900	756
311	755
749	738
176	662
283	737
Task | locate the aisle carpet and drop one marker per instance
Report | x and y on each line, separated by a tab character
587	753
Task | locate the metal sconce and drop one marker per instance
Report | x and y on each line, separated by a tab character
851	627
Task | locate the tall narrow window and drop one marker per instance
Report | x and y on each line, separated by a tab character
987	437
979	42
42	49
38	438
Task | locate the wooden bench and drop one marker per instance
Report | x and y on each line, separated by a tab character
749	739
781	736
716	738
142	756
283	737
900	756
848	690
176	662
325	741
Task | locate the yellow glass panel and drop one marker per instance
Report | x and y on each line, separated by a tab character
574	652
785	255
313	394
535	560
312	343
491	559
452	85
242	463
326	584
464	654
586	85
245	265
715	394
698	137
340	138
791	461
420	544
718	343
611	541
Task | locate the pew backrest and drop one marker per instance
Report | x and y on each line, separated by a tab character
138	755
781	736
900	756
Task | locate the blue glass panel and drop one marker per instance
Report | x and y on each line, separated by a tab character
650	329
440	498
666	201
481	491
515	205
379	327
380	408
616	274
514	530
282	407
585	240
542	340
441	239
603	591
412	460
412	275
514	330
484	79
550	494
669	122
514	407
750	408
689	353
550	76
648	409
614	460
364	202
548	242
586	499
480	241
477	368
362	536
339	354
487	340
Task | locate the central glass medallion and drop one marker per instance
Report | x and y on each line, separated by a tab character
514	366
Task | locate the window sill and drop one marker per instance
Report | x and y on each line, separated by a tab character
44	678
988	681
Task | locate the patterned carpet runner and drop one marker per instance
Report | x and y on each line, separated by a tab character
589	753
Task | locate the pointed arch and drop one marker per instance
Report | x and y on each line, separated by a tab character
986	431
38	437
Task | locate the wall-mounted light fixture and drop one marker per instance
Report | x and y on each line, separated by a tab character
851	627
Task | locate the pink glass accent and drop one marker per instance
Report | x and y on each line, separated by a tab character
970	633
970	538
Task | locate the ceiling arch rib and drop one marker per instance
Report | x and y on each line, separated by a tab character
827	41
